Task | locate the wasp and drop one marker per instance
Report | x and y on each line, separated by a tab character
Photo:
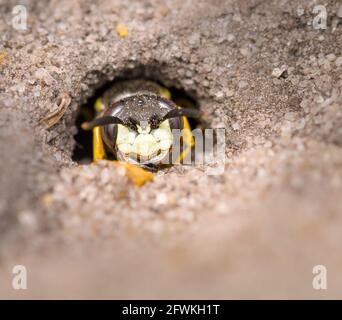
135	123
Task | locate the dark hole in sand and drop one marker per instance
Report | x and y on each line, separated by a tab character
83	152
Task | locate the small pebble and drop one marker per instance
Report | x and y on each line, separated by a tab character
245	52
236	126
338	62
161	199
43	75
331	57
230	37
290	116
339	11
229	93
243	84
278	72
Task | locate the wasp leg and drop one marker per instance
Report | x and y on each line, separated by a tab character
187	137
134	173
99	152
188	141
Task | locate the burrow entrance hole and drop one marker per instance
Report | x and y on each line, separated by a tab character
83	151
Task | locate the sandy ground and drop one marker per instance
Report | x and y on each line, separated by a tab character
257	68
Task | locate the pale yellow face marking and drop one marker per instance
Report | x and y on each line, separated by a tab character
163	135
145	143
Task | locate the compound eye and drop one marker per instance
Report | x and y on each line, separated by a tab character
109	135
176	123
